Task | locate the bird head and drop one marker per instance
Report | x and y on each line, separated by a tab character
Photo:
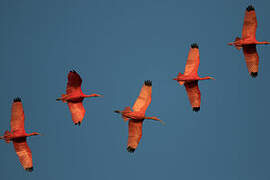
156	119
208	77
35	134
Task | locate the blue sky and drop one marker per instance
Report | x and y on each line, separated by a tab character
115	46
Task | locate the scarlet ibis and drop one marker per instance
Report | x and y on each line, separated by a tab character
18	135
248	41
190	77
74	97
137	116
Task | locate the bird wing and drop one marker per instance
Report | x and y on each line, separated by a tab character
144	99
251	57
193	62
17	116
77	111
250	25
24	153
74	83
134	133
194	94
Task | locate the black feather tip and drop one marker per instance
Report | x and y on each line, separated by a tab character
254	74
29	169
194	45
148	83
130	149
196	109
250	8
79	123
17	99
73	71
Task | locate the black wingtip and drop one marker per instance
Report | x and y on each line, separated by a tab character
78	123
130	149
29	169
194	45
73	71
117	111
250	8
196	109
254	74
17	99
148	83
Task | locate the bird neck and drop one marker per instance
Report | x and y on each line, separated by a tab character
153	118
206	78
32	134
263	42
91	95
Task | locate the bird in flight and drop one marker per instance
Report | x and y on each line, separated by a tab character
248	41
74	97
18	135
190	77
137	116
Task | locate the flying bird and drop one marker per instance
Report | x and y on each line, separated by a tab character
137	116
18	135
74	97
248	41
190	77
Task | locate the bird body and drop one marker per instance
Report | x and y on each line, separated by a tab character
248	41
18	135
190	77
74	97
137	116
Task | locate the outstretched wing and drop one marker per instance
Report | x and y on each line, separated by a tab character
252	59
74	83
194	94
134	134
24	153
250	24
193	61
77	111
144	99
17	115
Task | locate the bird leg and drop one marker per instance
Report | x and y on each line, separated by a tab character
117	111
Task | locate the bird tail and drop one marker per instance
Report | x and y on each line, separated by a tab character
237	46
180	82
6	136
126	110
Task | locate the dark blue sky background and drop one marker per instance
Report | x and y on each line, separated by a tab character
115	46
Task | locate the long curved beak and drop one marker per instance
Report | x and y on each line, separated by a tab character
212	78
162	122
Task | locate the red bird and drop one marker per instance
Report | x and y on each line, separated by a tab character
74	97
248	41
137	116
190	77
18	135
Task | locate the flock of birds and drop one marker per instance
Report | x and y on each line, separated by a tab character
74	95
